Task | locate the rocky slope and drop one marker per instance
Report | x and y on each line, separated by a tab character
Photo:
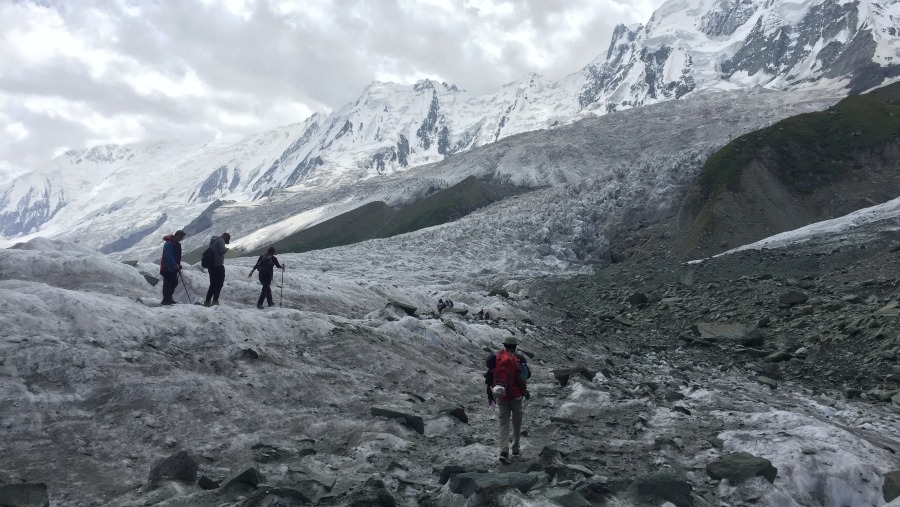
762	377
803	169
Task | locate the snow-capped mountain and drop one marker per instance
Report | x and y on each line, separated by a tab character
686	47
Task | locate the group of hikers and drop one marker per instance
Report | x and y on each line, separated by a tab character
214	262
507	371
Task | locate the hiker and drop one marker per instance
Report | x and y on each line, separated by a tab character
170	265
449	303
507	373
217	270
441	305
266	265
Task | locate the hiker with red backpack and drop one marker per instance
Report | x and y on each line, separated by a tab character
506	386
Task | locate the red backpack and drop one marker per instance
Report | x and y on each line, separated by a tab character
506	374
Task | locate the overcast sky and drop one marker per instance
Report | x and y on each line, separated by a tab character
76	73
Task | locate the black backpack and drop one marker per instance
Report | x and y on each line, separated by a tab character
206	260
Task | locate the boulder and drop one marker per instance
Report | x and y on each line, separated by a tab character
638	299
793	297
767	381
385	498
275	495
247	476
891	487
406	307
563	375
552	455
881	394
152	280
24	494
566	498
728	332
470	483
206	483
413	421
324	479
741	466
777	357
179	467
454	311
451	470
456	411
665	485
499	292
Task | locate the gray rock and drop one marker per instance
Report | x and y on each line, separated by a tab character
851	298
206	483
413	421
152	280
853	393
468	484
777	357
552	455
499	292
248	476
895	399
24	494
406	307
451	470
665	485
564	374
673	395
275	495
726	332
385	498
881	394
456	411
891	487
638	299
179	467
767	381
793	297
325	480
741	466
566	498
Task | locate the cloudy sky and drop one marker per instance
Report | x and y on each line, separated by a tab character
86	72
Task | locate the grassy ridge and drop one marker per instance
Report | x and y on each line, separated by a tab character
378	220
810	149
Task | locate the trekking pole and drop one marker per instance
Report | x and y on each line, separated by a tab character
281	295
191	301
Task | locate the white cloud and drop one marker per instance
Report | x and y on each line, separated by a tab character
113	70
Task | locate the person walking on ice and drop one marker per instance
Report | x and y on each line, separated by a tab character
217	268
170	265
266	265
507	373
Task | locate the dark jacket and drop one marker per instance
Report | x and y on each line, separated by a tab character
171	256
265	267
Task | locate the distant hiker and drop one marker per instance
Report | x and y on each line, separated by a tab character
170	265
449	303
266	265
441	305
483	315
507	373
217	268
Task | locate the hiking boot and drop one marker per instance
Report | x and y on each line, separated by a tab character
214	303
504	457
167	302
259	307
206	304
515	452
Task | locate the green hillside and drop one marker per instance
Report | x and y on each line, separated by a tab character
809	150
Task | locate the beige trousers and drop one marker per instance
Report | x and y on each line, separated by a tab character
510	410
